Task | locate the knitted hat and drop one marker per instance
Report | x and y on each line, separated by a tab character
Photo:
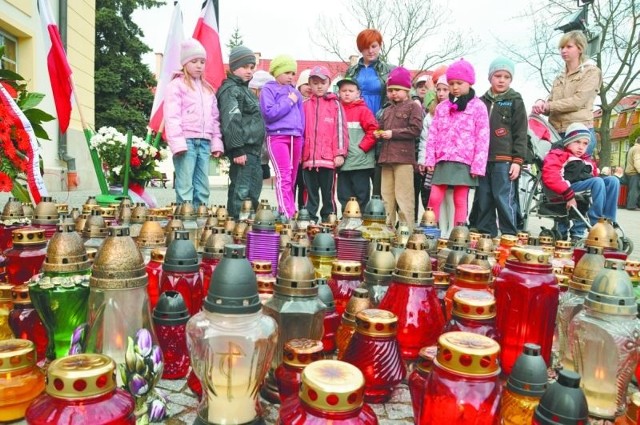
241	56
321	72
303	78
260	78
461	70
576	131
191	49
422	79
281	64
348	80
442	80
502	64
438	72
399	78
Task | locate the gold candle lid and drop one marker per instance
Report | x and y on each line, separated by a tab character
523	235
427	354
468	354
473	274
508	240
441	279
561	254
332	386
346	268
20	294
477	305
563	280
81	376
62	208
5	292
579	283
568	269
529	256
545	240
359	301
261	266
442	243
28	236
563	245
16	354
157	254
376	322
265	284
299	352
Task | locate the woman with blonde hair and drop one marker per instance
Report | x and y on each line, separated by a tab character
574	89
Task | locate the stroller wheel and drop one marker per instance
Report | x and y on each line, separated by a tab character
550	232
625	245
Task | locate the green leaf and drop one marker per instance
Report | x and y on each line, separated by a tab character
6	74
40	132
30	100
36	116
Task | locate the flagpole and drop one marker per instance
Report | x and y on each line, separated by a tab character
95	159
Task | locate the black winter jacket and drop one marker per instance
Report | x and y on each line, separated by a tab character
508	126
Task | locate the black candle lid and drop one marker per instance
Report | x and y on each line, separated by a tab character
170	309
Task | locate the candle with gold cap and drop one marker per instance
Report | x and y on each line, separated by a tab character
475	312
25	258
298	353
21	380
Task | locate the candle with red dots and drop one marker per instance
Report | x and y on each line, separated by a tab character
298	353
463	387
82	383
332	392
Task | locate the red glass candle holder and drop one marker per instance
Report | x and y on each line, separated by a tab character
474	312
526	294
154	273
25	258
359	301
180	271
332	393
345	277
418	379
468	276
298	353
170	317
463	387
25	323
82	383
374	350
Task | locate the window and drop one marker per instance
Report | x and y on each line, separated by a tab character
8	60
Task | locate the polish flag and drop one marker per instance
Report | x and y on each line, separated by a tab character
206	32
170	65
59	69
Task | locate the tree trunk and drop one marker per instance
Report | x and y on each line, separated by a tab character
605	139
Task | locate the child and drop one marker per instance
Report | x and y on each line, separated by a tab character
281	107
299	190
400	126
568	168
326	140
355	174
260	78
422	85
192	125
458	142
243	131
507	147
303	84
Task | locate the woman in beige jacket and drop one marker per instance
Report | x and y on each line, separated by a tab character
574	90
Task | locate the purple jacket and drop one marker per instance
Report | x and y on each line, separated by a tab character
281	115
460	136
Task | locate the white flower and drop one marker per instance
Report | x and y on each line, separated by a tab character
117	169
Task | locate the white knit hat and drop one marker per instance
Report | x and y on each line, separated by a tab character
260	78
191	49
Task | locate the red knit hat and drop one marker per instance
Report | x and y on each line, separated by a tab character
461	70
399	78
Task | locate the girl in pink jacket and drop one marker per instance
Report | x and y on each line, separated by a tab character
458	142
192	125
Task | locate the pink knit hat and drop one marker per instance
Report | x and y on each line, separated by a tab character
191	49
399	78
461	70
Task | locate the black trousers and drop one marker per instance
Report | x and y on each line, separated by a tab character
246	182
320	184
355	183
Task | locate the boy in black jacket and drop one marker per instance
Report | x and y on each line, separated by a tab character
243	130
497	189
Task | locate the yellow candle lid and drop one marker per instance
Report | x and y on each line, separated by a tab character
376	322
28	236
529	256
332	386
473	274
81	376
300	352
478	305
468	354
16	354
261	266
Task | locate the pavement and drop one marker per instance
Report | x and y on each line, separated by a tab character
398	411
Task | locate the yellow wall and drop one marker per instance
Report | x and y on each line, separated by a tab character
20	19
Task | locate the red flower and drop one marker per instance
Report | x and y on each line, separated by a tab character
134	152
5	183
135	161
22	140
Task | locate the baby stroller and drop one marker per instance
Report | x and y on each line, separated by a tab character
537	200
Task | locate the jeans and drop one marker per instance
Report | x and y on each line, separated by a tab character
497	193
192	172
633	182
245	183
604	202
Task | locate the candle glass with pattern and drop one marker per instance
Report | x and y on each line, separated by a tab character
25	258
262	240
298	353
345	277
359	301
231	343
25	323
181	271
170	317
469	277
474	312
331	317
418	379
154	274
21	381
374	350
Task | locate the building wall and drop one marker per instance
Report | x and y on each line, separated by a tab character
20	19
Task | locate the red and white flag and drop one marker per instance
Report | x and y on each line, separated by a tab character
59	69
206	32
170	65
35	183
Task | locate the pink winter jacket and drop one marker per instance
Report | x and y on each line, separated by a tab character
460	136
190	114
326	133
